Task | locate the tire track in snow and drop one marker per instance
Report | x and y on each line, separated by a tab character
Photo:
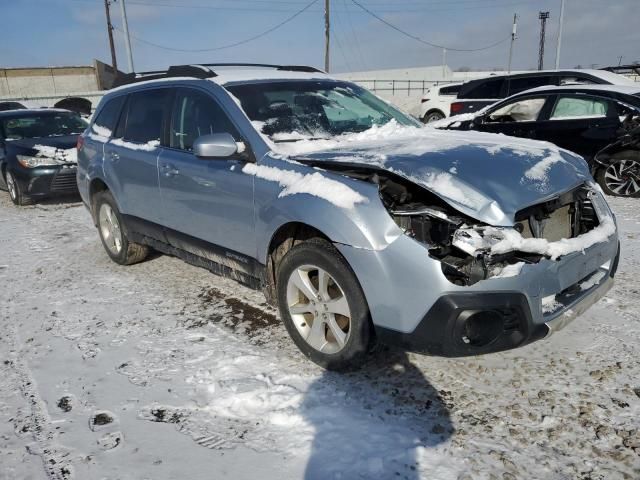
55	457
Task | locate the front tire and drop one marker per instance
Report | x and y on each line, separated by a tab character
621	178
16	194
323	307
112	233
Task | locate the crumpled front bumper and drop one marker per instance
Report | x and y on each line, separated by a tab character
413	305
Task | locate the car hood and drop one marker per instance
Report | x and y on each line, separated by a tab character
485	176
61	148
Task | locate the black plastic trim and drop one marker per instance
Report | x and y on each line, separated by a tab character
440	331
218	260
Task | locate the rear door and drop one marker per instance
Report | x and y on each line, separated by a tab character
581	123
209	200
131	156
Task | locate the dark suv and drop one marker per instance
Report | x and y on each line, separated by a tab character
476	94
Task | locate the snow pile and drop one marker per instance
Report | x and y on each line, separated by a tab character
147	147
99	133
550	304
314	184
62	155
508	271
592	281
513	241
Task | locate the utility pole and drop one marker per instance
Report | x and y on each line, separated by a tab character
114	62
560	35
543	16
327	34
444	63
514	32
127	40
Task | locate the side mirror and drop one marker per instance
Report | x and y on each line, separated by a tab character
216	145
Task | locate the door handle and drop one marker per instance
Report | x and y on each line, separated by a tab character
114	156
169	170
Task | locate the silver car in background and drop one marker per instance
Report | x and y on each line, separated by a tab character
358	223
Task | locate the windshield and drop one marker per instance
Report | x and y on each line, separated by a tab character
290	111
43	125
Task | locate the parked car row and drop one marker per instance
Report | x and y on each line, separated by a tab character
38	153
358	223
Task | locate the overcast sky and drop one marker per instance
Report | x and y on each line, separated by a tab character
73	32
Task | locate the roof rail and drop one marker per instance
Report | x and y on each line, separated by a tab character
194	71
288	68
201	70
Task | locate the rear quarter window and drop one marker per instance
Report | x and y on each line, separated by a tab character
107	119
453	90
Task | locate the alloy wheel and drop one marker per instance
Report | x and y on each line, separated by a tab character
318	308
110	228
623	177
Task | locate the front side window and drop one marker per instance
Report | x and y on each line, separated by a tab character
567	108
295	110
145	116
47	124
522	111
196	114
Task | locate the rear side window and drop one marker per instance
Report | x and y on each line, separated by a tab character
145	115
453	90
107	119
517	85
196	114
487	89
567	108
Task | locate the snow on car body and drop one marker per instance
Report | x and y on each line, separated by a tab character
447	243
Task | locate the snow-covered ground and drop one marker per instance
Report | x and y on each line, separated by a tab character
164	371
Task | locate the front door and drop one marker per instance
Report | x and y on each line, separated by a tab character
210	201
517	118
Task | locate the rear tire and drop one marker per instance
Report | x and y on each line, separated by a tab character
327	319
15	192
113	234
621	178
433	117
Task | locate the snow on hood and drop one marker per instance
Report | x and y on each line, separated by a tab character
63	149
486	176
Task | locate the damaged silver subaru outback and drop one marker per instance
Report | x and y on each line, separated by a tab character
359	223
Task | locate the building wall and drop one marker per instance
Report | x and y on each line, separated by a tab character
30	82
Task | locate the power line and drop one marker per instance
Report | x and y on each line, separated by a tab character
231	45
418	39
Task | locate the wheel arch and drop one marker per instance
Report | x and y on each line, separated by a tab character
282	240
434	110
96	186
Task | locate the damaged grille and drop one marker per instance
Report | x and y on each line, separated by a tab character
568	216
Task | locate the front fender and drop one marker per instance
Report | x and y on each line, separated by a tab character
366	224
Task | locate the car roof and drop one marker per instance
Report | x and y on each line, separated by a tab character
231	76
624	89
27	112
604	75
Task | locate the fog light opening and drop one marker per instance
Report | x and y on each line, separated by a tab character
481	328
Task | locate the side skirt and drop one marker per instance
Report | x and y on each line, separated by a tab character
216	259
